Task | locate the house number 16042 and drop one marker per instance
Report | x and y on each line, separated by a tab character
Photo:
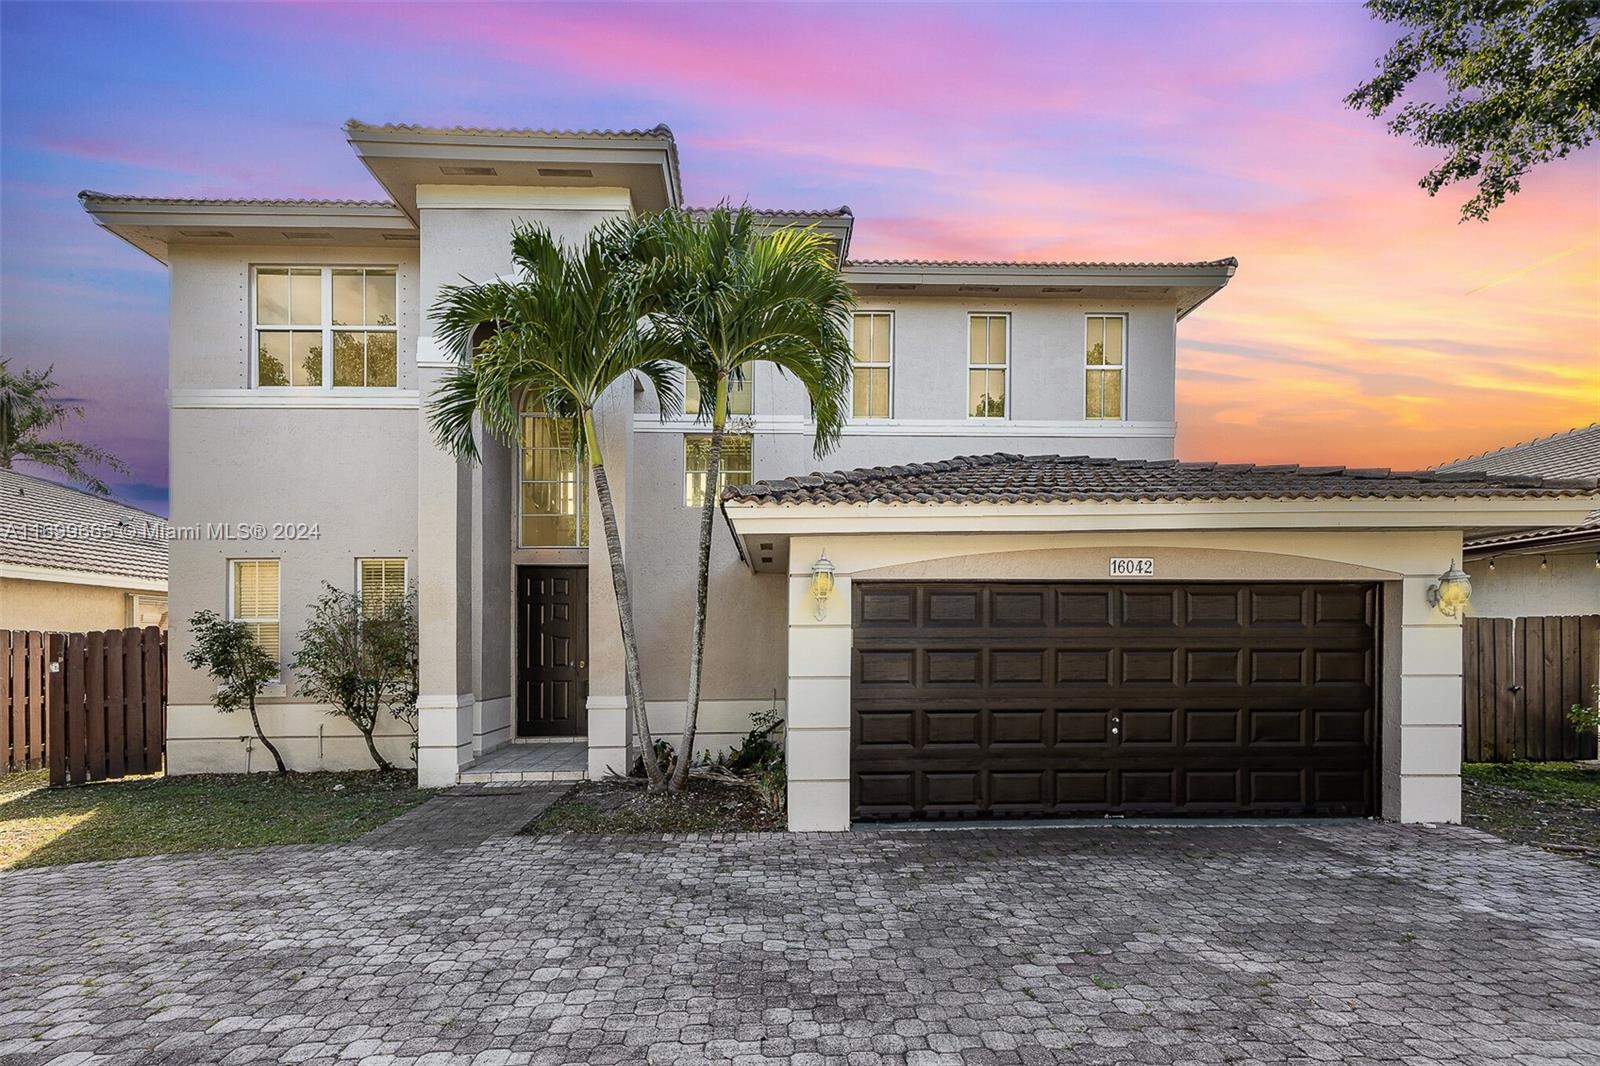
1133	567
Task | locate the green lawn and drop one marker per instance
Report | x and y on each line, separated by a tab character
1561	779
41	826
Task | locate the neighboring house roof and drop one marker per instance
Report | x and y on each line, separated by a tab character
1006	478
1574	453
53	527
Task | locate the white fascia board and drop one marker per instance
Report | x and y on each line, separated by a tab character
19	572
752	519
524	198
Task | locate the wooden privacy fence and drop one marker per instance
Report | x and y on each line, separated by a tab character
1519	678
22	694
91	706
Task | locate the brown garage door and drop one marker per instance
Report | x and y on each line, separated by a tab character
1009	699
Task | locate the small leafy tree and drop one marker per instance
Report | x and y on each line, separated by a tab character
241	667
361	662
1521	87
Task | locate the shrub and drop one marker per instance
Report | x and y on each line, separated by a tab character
1586	719
241	667
361	662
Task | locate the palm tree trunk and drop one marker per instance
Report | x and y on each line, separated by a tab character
697	641
619	582
255	721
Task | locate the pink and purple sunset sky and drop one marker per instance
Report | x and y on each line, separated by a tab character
1365	325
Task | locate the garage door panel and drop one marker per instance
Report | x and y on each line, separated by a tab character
1020	607
1083	608
1208	699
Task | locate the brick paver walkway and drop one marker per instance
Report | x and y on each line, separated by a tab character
466	816
1361	942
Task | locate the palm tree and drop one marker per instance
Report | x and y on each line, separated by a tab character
561	333
29	407
725	296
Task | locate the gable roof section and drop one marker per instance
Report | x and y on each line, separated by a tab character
1575	453
1007	478
54	527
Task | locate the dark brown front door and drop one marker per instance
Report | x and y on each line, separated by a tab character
552	651
1058	699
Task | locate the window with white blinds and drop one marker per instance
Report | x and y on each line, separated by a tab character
254	601
381	584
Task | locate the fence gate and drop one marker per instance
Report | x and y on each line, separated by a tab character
1519	677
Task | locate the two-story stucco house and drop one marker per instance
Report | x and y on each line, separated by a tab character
1009	633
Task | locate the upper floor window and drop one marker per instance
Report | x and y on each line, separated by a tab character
1105	359
988	357
739	392
317	326
253	599
555	486
735	470
874	361
380	584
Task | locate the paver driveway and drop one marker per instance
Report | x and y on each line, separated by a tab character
1366	942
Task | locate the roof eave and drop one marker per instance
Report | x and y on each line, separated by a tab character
655	148
140	221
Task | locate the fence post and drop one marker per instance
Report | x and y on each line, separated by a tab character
55	736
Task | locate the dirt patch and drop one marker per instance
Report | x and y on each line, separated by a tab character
612	807
1561	823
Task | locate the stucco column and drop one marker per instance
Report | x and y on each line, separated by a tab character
445	704
610	732
1424	783
818	702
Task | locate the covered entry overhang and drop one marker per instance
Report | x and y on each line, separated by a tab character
1025	636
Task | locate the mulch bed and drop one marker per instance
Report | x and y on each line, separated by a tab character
1557	824
617	807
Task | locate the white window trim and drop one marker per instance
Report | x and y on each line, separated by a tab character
584	478
890	364
971	366
253	349
233	599
1122	368
683	452
683	390
405	568
135	599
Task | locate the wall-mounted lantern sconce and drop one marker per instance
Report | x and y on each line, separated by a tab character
822	584
1451	592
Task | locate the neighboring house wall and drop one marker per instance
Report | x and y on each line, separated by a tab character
334	468
1520	587
62	607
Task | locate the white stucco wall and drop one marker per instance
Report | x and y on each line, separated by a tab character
1421	701
338	461
1519	586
